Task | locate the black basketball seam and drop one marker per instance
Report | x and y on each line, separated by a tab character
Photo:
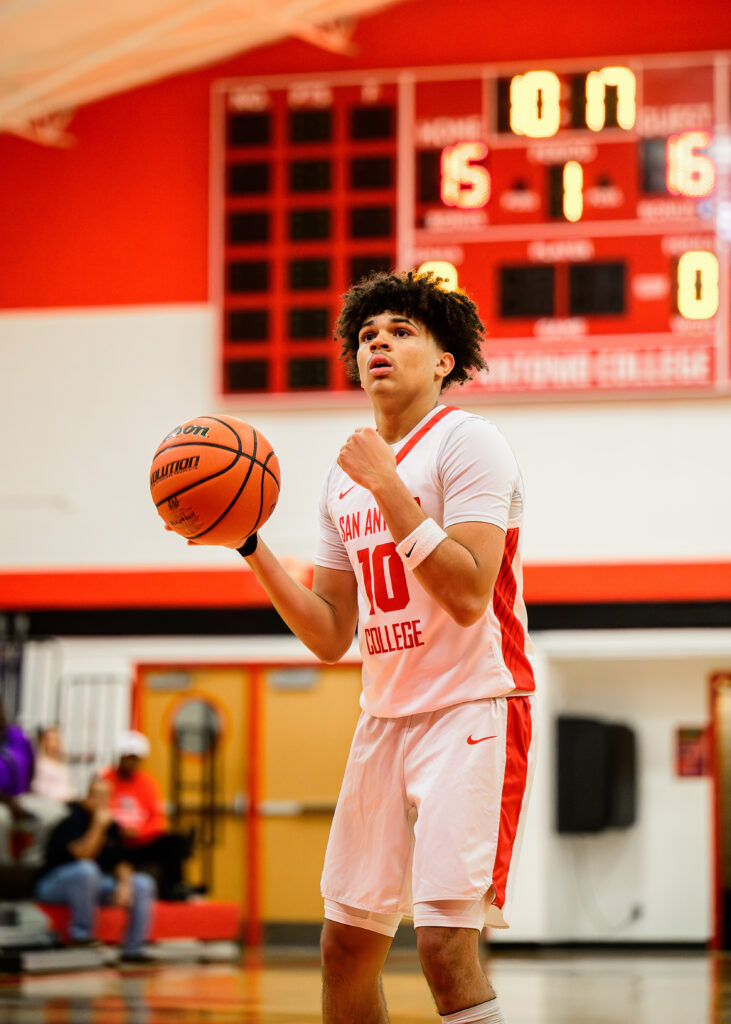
261	493
229	427
201	443
238	493
271	472
268	470
205	480
212	444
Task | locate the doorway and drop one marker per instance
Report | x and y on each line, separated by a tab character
197	721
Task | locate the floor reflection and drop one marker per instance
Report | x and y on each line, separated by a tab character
284	986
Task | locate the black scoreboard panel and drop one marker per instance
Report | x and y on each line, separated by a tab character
585	206
309	205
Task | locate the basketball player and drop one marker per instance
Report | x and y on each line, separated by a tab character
419	524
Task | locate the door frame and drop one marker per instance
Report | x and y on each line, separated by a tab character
716	682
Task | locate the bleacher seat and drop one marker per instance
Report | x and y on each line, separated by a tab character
205	920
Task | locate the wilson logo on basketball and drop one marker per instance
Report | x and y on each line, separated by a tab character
190	428
177	466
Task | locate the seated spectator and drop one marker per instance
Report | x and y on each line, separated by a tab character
137	808
51	777
86	865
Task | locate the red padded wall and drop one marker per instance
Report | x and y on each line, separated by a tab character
121	217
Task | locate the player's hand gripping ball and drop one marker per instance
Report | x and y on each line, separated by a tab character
215	480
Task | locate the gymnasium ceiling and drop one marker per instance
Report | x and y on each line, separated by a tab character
56	55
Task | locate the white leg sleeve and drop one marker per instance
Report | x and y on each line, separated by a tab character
384	924
485	1013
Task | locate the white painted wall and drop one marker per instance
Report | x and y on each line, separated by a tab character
86	396
659	867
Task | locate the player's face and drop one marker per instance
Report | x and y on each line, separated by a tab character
396	352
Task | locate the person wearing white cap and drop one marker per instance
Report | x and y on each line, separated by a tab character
138	809
133	744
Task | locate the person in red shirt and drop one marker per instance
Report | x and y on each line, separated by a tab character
138	809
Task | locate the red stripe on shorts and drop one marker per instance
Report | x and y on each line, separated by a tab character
517	745
511	628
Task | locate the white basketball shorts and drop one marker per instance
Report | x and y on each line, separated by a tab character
432	808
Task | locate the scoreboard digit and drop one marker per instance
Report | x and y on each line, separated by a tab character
585	206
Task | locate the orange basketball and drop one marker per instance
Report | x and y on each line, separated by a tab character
215	479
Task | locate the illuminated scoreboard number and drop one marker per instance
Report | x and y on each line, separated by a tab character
534	104
697	286
537	105
309	207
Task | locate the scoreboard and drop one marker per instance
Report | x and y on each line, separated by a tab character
584	205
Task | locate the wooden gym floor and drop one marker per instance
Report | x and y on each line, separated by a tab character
283	986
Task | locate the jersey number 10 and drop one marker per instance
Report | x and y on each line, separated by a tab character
384	578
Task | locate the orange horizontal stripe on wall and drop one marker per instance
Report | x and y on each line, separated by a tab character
225	588
628	582
131	588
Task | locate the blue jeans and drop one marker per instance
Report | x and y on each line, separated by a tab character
82	886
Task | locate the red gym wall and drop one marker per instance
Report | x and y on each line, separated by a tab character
121	218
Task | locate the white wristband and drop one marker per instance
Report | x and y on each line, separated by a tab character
420	543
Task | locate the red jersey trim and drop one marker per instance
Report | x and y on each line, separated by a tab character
511	628
424	430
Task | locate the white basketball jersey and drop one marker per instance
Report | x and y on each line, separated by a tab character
416	658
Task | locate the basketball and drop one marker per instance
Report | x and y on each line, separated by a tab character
215	479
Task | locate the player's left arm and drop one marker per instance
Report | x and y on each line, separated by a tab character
461	571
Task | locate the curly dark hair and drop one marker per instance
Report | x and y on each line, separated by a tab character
450	316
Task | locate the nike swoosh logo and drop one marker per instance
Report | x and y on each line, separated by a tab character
480	740
341	496
409	552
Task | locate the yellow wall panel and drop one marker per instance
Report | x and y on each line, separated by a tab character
307	736
293	851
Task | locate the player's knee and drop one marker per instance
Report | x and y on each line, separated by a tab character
343	947
441	951
337	945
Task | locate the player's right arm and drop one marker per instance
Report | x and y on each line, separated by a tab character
325	617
